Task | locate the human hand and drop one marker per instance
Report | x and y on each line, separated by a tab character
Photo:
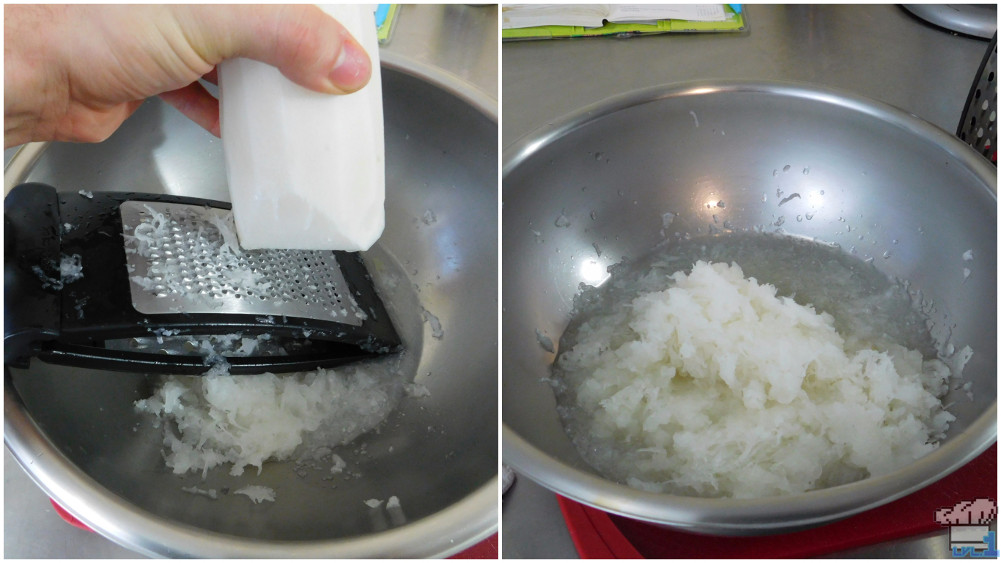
75	73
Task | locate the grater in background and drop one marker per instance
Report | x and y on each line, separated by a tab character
978	125
143	282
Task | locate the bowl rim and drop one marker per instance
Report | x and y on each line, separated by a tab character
773	514
446	532
522	148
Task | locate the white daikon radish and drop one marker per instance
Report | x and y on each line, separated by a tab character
306	170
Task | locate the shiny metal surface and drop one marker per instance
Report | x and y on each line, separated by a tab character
460	39
978	125
914	193
876	50
74	431
978	20
189	280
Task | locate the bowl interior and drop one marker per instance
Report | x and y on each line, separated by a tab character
593	189
432	451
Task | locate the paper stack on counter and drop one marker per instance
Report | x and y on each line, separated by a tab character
546	21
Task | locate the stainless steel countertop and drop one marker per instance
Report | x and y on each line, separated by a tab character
879	51
459	39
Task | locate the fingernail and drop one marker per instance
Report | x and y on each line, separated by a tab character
352	69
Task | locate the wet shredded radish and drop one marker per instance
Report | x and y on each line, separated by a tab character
712	384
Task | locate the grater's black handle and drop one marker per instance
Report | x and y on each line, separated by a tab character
31	271
118	360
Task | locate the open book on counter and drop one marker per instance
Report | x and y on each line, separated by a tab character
544	21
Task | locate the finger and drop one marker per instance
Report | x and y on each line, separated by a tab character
197	104
305	44
91	124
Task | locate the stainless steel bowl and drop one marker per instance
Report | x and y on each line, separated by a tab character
74	431
606	175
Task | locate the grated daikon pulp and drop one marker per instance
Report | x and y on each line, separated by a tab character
245	420
707	382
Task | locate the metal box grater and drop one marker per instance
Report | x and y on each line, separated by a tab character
978	125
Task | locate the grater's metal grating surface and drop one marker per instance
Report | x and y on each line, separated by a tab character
978	125
186	259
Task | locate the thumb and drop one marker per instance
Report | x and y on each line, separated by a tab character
308	46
